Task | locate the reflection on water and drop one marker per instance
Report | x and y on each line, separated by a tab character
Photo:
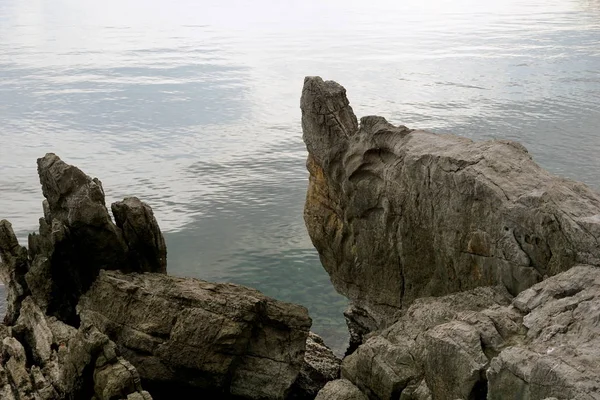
193	106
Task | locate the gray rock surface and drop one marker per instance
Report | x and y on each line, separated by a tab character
200	336
398	214
67	304
340	389
319	367
14	264
76	239
560	354
45	359
482	344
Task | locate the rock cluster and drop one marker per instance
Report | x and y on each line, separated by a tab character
92	314
472	273
400	215
481	344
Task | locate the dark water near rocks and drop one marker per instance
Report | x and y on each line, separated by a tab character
193	106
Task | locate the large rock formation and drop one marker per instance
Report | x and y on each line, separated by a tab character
478	344
398	214
200	337
78	238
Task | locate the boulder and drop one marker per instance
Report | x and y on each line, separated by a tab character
199	337
340	389
14	264
482	344
398	214
319	367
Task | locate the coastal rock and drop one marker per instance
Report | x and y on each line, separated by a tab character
319	367
199	337
397	214
145	242
560	354
76	239
14	264
438	342
340	389
482	344
43	358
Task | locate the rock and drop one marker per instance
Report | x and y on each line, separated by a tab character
482	344
76	239
340	389
49	360
559	354
199	337
397	214
438	347
360	323
14	264
147	248
319	367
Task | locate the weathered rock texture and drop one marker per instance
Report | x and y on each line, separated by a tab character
478	344
398	214
77	238
320	366
340	389
200	336
92	314
46	359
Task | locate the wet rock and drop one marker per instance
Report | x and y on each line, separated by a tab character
397	214
200	337
319	367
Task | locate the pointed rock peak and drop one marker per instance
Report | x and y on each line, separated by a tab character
327	118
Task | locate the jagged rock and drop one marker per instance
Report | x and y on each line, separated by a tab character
200	337
340	389
479	344
442	341
43	358
560	355
319	367
13	267
360	324
76	239
398	214
147	248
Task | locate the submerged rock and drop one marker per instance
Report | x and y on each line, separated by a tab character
200	337
398	214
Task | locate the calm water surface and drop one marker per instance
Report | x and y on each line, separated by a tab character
194	107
